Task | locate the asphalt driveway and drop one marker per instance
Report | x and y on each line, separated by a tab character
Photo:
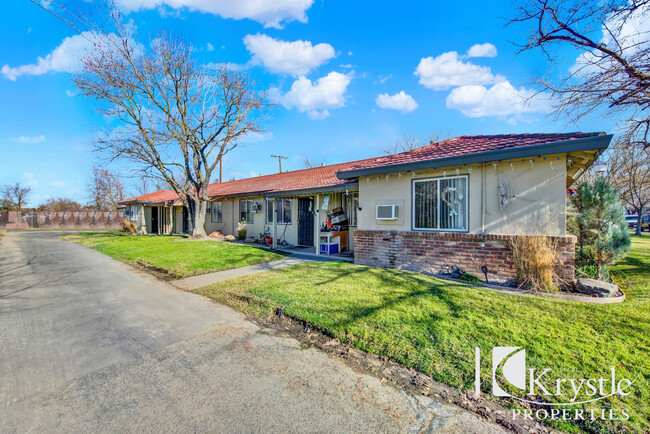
89	344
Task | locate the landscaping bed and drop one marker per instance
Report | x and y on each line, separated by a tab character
434	325
167	258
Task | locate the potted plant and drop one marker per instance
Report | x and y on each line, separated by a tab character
267	238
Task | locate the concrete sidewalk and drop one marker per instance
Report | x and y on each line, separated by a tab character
196	282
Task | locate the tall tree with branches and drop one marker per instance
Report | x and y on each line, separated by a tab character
15	194
105	189
628	170
168	113
612	71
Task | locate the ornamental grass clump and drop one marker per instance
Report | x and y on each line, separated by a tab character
535	257
241	231
129	227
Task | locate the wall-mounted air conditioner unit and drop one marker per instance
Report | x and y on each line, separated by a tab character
387	212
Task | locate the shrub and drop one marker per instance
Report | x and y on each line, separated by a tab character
600	225
241	231
535	257
129	227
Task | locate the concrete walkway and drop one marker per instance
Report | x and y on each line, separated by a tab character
196	282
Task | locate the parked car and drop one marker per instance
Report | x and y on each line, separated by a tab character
631	221
645	223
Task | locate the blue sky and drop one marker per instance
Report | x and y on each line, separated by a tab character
349	79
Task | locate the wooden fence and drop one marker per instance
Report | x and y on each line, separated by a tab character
42	219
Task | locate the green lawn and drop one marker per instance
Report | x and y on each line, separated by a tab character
177	258
434	326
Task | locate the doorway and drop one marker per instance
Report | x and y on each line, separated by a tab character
186	223
306	222
154	219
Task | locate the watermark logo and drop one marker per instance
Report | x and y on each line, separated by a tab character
513	378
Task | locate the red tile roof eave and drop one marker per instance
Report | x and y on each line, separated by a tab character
288	192
337	175
480	156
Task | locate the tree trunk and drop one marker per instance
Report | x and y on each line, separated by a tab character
196	215
639	219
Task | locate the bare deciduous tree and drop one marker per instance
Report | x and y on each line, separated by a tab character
612	72
168	113
309	164
409	143
105	189
628	170
62	204
15	194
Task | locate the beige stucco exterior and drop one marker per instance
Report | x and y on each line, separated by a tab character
539	188
287	232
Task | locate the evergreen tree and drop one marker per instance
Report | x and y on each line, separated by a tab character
600	223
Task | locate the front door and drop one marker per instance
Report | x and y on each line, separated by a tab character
154	219
186	223
306	222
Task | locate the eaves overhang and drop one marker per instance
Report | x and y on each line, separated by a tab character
565	146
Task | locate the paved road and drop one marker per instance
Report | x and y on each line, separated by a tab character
88	344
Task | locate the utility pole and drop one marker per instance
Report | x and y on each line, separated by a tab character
280	158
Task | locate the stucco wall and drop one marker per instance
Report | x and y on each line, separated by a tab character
230	217
539	206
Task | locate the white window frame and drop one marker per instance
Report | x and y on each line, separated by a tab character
249	211
134	210
269	209
280	211
216	217
439	207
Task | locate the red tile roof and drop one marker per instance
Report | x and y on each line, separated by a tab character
325	176
467	145
304	179
155	197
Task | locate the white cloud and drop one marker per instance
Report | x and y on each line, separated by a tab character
257	137
64	58
30	179
57	184
315	97
482	50
209	47
70	93
448	70
400	101
294	58
502	99
631	35
382	79
29	139
271	13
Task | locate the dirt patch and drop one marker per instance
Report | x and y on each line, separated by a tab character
159	272
390	371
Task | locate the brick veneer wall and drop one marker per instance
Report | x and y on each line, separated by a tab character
430	251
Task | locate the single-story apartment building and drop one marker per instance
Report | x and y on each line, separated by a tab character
455	202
